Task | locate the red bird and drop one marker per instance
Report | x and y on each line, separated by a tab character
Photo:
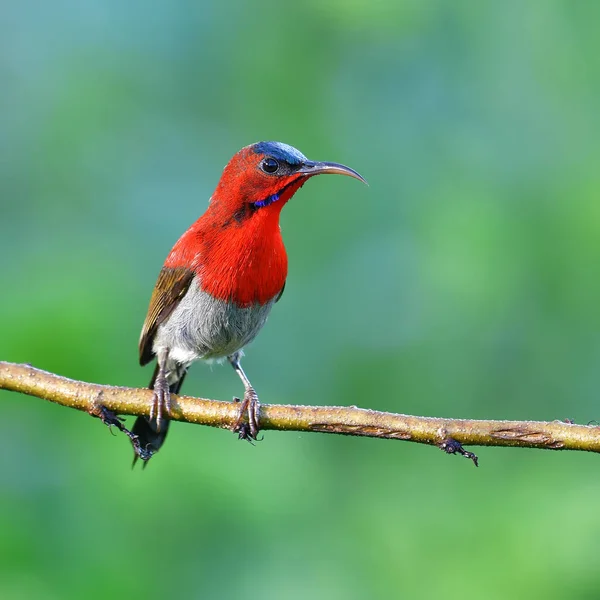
221	280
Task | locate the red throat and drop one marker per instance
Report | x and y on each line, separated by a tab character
238	255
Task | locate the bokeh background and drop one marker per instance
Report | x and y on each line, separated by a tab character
463	282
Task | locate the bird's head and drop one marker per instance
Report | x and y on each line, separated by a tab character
265	175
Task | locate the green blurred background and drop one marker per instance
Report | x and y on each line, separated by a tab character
463	282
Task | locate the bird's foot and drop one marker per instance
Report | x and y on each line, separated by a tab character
161	401
250	406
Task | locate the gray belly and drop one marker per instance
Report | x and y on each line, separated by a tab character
204	327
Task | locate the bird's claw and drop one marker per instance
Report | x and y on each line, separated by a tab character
250	406
161	402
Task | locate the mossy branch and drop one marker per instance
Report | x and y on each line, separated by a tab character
448	434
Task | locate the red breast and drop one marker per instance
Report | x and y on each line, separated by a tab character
240	258
235	247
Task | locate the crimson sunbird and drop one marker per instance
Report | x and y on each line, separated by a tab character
220	281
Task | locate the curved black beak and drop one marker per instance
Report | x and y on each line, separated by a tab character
319	168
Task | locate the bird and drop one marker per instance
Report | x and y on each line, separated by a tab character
220	282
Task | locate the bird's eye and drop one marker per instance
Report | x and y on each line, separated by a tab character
269	165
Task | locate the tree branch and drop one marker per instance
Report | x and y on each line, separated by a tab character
447	434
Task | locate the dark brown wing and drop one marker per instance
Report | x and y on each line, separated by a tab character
170	288
281	292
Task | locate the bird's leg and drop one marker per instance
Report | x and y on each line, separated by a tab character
250	403
161	401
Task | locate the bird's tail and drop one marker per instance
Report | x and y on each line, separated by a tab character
149	438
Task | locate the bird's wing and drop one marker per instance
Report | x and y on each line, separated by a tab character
171	287
281	292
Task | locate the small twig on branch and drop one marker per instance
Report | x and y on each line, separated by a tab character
447	434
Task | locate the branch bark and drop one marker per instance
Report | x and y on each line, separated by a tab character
447	434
